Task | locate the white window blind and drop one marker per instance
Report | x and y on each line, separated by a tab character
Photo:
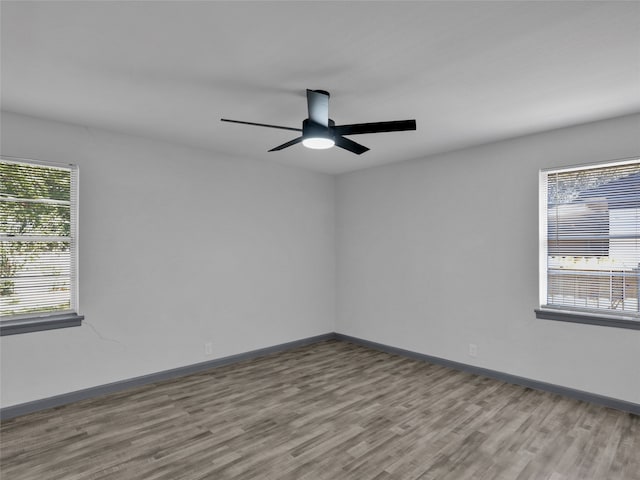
38	205
590	239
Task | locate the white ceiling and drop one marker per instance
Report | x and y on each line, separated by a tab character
468	72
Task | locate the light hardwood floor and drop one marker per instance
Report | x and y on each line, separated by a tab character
332	410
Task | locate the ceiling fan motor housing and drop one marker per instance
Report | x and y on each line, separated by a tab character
311	129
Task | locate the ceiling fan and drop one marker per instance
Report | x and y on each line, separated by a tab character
320	132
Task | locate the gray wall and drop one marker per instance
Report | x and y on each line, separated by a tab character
439	253
180	246
177	247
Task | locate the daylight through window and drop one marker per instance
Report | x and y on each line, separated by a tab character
37	240
590	239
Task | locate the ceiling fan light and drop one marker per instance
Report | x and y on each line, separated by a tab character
318	143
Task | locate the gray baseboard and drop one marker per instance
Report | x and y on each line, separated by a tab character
505	377
58	400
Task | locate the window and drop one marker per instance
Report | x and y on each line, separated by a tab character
590	244
38	246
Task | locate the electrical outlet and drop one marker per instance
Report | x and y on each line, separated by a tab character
473	350
208	348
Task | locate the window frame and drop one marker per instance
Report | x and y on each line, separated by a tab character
566	313
26	323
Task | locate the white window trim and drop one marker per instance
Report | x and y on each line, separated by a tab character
25	323
566	314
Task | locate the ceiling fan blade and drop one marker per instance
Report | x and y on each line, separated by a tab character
318	106
350	145
375	127
288	144
261	125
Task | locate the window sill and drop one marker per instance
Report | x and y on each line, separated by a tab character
37	324
589	319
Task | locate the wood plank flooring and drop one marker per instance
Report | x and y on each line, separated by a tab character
332	410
